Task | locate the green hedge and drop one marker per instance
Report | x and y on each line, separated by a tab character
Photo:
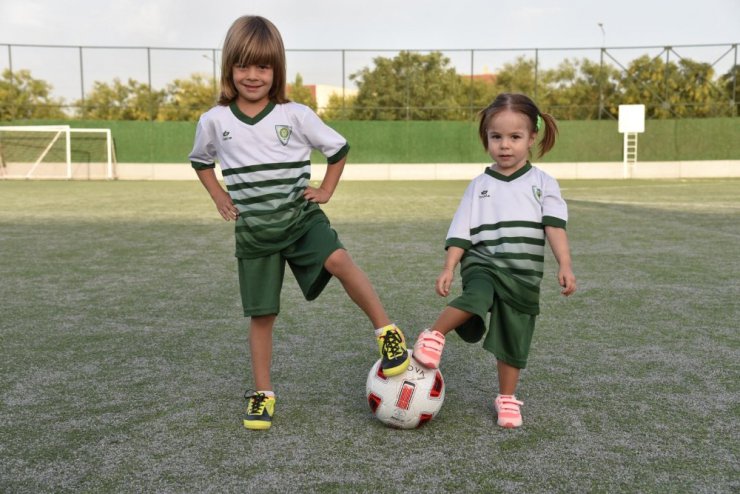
452	142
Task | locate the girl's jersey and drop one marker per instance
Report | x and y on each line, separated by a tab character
265	161
500	222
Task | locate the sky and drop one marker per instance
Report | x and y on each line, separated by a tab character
392	24
370	25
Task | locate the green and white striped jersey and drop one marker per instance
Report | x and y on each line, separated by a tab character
500	222
266	166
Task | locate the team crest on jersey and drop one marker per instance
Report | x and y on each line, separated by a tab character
537	192
283	133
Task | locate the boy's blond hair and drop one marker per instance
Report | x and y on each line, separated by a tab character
253	40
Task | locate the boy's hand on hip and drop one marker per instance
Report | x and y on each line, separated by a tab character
317	195
226	207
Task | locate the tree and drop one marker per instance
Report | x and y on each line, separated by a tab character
698	95
301	94
187	99
338	108
24	97
517	77
118	101
410	86
579	90
730	81
480	92
671	90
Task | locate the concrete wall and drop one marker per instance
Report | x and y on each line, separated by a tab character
466	171
432	171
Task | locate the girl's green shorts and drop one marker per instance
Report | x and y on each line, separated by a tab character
510	331
261	278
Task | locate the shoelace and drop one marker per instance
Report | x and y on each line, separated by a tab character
256	402
392	344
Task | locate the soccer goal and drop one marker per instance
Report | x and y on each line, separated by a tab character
56	151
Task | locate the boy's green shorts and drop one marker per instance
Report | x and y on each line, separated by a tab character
261	278
510	333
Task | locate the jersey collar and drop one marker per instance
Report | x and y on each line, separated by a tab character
247	119
498	176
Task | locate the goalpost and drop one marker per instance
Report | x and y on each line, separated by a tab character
56	151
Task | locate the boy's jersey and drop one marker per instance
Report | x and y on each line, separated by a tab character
266	166
500	222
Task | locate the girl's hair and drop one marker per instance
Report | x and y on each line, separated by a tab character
253	40
522	104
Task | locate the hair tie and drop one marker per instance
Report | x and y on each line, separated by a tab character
540	123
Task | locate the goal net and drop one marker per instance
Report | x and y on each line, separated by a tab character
56	151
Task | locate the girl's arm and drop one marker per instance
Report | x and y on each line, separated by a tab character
558	240
323	193
220	197
444	280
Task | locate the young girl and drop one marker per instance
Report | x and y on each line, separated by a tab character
498	237
263	143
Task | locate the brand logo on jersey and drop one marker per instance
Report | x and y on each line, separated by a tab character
283	133
483	194
226	135
537	192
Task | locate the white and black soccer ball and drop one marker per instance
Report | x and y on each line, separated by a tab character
408	400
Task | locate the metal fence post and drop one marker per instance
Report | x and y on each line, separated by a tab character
536	70
601	83
82	85
344	83
734	84
149	79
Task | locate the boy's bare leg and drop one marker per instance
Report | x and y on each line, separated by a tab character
508	378
358	286
260	347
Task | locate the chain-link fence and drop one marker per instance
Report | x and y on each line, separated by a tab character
73	71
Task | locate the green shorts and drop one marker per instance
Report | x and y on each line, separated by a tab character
510	333
261	278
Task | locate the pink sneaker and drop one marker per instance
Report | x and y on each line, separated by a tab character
428	348
507	409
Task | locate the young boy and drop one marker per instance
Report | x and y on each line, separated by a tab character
263	143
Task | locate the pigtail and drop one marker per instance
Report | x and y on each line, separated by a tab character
549	132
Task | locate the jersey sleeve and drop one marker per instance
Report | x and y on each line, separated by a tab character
323	138
204	151
458	234
554	209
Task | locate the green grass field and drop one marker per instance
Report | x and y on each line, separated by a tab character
124	359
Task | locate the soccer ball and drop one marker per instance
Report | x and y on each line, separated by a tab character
408	400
